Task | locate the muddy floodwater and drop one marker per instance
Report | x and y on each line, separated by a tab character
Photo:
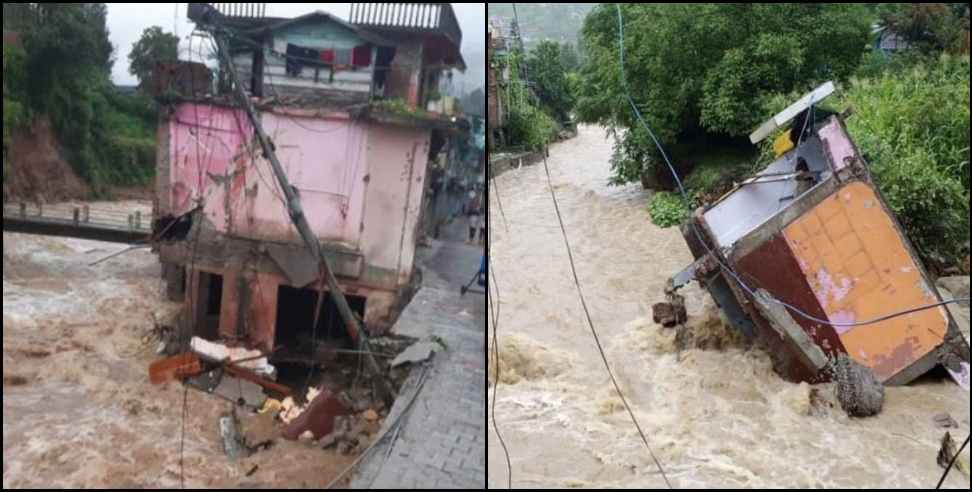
715	417
78	411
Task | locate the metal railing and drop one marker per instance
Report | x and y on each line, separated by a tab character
432	18
242	10
78	221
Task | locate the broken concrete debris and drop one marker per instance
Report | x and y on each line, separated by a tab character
350	435
418	352
668	314
948	451
243	392
252	360
259	430
859	392
317	418
229	430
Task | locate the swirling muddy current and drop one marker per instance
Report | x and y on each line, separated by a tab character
713	410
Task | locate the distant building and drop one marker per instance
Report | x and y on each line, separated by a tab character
888	41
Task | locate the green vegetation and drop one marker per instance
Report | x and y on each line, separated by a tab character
398	107
108	139
913	127
930	28
528	125
704	73
705	68
14	97
537	94
547	68
667	209
154	46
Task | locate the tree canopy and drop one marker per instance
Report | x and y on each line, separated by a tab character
707	68
66	73
546	66
154	46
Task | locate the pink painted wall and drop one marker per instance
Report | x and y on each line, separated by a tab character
325	160
360	183
205	142
840	150
399	161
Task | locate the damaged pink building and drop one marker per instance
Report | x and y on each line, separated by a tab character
345	106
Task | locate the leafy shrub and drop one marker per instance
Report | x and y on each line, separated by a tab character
667	209
913	128
705	67
911	123
14	110
106	137
530	127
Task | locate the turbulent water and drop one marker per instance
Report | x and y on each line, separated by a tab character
78	411
714	418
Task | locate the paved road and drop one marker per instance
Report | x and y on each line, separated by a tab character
442	442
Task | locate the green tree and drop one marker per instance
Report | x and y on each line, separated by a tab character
68	67
705	68
154	46
549	78
569	57
929	27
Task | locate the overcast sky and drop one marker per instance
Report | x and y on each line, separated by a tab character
126	21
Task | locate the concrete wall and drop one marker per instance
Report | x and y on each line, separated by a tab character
405	77
398	159
361	183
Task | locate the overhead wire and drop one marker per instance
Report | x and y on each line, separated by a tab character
952	464
725	268
495	312
590	323
275	189
191	274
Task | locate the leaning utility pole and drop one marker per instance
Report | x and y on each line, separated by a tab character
207	16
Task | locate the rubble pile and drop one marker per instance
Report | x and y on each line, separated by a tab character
859	392
353	433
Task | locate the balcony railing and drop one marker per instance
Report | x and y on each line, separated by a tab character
242	10
430	18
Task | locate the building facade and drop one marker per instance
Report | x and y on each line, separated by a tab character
355	143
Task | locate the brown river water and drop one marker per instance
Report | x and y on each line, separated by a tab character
78	411
714	418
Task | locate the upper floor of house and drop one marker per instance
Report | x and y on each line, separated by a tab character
396	51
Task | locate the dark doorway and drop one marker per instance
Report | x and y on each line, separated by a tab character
295	321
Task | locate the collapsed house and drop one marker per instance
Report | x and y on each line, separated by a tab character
812	230
347	108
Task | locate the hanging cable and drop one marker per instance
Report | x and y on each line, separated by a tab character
590	323
499	203
694	227
495	312
952	464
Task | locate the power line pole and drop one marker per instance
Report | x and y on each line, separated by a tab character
296	211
